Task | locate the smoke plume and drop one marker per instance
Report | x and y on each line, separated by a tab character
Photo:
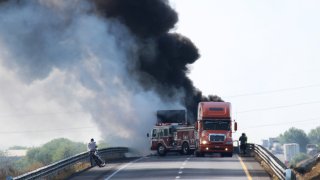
114	60
166	69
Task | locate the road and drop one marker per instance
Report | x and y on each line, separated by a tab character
178	167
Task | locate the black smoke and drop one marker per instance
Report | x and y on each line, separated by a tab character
166	69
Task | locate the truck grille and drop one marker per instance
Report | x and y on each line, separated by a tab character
217	137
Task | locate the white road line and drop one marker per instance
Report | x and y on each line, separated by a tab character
124	166
182	167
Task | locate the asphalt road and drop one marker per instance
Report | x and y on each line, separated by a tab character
178	167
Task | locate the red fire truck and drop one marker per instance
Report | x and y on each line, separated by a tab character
172	133
213	129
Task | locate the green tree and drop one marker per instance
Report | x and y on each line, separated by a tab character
294	135
314	136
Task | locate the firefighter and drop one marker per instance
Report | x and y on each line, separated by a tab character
243	143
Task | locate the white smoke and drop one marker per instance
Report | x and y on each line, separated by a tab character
64	73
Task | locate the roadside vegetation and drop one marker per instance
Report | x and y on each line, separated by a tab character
306	164
37	157
294	135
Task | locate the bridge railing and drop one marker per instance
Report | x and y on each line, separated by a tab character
277	167
45	171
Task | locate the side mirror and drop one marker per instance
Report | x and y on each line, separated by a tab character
235	126
148	135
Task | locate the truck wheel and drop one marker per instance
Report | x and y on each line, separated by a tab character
185	148
161	150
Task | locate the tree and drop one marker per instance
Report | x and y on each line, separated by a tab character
314	136
294	135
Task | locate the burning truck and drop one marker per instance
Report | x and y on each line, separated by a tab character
212	133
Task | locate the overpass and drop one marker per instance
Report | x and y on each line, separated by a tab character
173	166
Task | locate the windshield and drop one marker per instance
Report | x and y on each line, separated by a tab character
161	132
211	124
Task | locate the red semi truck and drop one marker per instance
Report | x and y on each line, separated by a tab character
213	129
172	133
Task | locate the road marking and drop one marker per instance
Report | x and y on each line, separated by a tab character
182	167
245	169
124	166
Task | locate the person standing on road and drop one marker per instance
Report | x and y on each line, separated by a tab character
243	143
92	147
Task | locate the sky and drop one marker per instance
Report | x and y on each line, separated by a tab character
262	56
259	55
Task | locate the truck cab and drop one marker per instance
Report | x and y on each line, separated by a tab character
213	129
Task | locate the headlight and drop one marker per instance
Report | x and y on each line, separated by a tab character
204	142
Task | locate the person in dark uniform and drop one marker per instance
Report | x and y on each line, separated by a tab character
243	143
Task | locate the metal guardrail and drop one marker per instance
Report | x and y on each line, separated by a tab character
60	165
279	168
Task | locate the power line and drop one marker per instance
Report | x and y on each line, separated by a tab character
272	91
278	107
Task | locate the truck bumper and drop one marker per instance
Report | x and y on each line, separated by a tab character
211	148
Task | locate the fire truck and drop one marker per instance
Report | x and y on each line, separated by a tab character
213	129
172	133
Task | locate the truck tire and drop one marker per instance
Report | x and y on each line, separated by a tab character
161	150
185	148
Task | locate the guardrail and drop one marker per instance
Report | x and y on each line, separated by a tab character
278	168
60	165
